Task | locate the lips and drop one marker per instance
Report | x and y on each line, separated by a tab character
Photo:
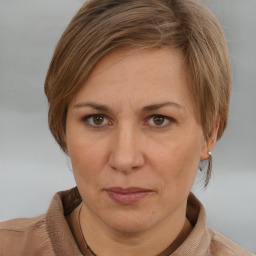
127	196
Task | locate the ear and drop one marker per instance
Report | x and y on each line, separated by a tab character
209	142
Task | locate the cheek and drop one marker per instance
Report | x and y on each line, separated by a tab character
87	158
177	162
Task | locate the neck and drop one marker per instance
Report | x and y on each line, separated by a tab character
162	239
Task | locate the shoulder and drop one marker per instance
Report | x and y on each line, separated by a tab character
221	245
25	236
22	224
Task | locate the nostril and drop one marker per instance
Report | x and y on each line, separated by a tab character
126	163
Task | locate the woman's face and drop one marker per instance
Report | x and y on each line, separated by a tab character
133	139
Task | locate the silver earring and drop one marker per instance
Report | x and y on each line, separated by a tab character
207	162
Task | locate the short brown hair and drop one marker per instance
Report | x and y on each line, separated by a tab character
103	25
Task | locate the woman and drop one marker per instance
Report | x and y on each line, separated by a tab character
139	93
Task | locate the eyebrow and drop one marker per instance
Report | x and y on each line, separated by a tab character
161	105
96	106
148	108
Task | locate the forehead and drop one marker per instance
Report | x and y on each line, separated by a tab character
133	60
142	75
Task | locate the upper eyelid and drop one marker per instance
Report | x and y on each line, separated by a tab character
106	116
164	116
85	117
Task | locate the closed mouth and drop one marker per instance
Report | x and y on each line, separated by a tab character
127	196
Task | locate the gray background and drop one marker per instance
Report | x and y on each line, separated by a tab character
32	168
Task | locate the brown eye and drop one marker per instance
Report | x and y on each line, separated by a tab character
158	120
98	119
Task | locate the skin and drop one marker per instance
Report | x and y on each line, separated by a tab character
146	136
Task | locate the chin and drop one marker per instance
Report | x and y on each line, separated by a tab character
129	227
128	222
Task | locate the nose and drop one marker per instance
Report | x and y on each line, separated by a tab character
127	152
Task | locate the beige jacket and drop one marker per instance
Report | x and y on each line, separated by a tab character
50	235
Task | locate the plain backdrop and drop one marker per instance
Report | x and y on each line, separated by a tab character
33	168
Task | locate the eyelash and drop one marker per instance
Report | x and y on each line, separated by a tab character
166	118
86	120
